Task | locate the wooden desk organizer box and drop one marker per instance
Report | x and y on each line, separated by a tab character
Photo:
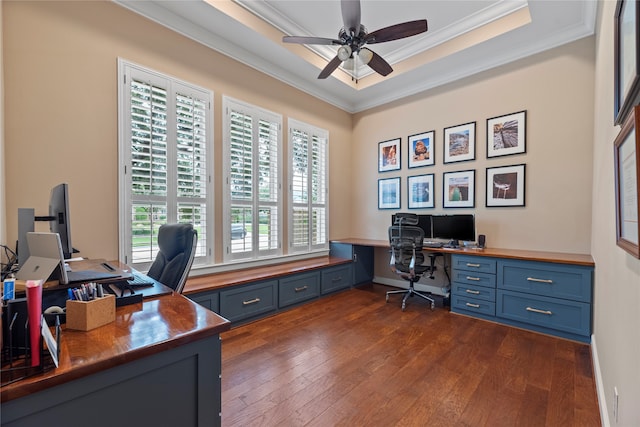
87	315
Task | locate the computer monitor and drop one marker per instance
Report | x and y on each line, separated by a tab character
59	217
424	222
454	227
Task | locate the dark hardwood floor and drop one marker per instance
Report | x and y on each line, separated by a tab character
353	360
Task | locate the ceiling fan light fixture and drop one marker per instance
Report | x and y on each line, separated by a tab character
365	55
344	52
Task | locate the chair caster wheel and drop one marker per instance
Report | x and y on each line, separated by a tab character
387	298
403	307
433	306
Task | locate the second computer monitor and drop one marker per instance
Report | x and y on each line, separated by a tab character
454	227
424	222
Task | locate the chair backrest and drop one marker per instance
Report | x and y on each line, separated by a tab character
406	248
177	243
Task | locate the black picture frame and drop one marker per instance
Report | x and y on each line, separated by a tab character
389	158
421	191
505	186
421	149
626	59
459	189
389	193
507	134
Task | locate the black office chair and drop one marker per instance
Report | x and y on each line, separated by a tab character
407	258
177	243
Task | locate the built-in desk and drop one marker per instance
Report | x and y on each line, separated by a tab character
548	292
158	363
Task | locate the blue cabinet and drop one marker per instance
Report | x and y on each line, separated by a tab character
336	278
244	302
298	288
548	297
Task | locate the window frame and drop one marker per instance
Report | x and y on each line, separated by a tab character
126	72
256	113
322	134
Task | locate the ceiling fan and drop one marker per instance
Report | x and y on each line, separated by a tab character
353	36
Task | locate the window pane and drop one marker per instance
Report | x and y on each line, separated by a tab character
268	228
268	161
319	226
300	227
195	214
146	219
191	147
241	161
241	232
300	165
318	170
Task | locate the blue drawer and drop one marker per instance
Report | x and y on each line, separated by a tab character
541	278
553	313
298	288
247	301
336	278
472	305
208	300
473	263
472	291
474	278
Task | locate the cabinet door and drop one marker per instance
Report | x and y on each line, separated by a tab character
298	288
208	300
243	302
362	264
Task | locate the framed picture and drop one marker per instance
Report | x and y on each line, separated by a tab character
627	162
459	189
505	186
421	149
506	135
420	191
626	60
389	155
389	193
460	143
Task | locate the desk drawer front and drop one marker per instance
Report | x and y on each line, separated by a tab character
248	301
336	278
472	305
554	280
474	278
474	263
569	316
472	291
208	300
298	288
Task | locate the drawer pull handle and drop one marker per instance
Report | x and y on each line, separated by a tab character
535	310
336	279
302	288
471	291
473	265
533	279
473	305
253	301
477	279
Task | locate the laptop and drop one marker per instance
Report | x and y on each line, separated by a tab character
46	260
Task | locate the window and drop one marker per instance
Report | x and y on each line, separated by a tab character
165	139
308	189
252	205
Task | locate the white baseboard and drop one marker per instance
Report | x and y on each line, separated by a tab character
602	400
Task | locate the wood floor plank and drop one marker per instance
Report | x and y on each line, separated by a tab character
351	359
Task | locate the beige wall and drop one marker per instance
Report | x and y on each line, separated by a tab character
61	123
617	274
556	89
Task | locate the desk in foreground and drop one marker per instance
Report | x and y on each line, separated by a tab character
157	364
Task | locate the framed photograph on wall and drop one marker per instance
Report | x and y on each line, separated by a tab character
460	143
627	182
505	186
389	193
420	191
506	135
626	42
421	149
459	189
389	155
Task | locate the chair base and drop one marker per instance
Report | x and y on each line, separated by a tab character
411	292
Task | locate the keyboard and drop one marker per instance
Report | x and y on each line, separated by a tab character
139	281
430	244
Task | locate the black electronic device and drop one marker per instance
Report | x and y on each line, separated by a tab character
424	222
454	228
59	217
482	240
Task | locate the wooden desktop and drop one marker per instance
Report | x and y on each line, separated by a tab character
158	363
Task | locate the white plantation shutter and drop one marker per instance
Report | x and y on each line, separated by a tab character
308	155
165	128
252	199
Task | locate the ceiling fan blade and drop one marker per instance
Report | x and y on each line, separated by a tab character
379	65
398	31
330	68
351	15
310	40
